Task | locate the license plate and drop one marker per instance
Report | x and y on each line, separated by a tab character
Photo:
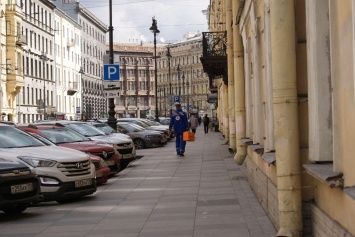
110	162
21	188
127	156
82	183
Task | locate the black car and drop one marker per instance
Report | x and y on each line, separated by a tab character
19	187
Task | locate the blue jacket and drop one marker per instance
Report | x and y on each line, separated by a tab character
179	121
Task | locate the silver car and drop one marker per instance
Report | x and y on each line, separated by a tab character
141	137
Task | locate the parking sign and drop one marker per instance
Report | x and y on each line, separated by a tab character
176	98
111	72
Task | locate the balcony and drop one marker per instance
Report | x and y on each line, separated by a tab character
21	40
73	88
214	57
70	43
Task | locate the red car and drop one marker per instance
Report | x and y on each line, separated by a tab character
66	137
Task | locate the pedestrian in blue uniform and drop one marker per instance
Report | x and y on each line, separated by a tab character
179	121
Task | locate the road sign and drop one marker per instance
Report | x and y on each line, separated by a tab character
112	93
111	72
176	98
112	85
191	106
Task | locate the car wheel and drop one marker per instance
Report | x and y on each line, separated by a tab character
123	164
139	143
16	208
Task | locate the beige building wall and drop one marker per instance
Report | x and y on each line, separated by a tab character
12	40
324	56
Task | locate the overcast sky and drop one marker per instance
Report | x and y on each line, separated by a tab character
132	18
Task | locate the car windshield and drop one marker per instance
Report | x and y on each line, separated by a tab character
58	136
149	123
165	121
11	137
85	129
140	123
131	127
104	128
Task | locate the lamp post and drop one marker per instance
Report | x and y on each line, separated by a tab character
111	120
155	31
171	99
183	84
188	94
178	70
45	59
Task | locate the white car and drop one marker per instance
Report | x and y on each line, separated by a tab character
63	173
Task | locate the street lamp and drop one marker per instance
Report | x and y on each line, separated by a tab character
45	59
155	31
171	99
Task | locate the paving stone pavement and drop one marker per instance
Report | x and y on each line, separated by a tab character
203	194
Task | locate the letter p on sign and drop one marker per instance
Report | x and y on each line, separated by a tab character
111	72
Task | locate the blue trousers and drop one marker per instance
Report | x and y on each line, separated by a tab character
179	143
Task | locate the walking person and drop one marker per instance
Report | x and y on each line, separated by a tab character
193	123
206	122
199	120
178	120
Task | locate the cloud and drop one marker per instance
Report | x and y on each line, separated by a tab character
132	18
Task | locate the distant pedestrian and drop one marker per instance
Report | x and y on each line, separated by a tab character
206	122
199	120
193	123
179	121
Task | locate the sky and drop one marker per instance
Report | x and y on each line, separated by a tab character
132	18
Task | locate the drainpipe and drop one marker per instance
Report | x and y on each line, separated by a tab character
225	89
283	54
230	62
239	86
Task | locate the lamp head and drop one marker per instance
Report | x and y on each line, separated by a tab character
154	27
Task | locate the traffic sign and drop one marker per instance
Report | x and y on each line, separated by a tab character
111	72
112	85
176	98
112	93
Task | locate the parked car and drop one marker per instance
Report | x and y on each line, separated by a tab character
124	145
141	137
19	186
143	123
65	137
63	173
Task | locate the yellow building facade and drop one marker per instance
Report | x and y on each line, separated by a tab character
286	92
11	73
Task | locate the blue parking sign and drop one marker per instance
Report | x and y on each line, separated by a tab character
111	72
176	99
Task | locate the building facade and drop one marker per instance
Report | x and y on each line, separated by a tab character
37	98
93	49
11	59
69	87
137	77
284	75
180	73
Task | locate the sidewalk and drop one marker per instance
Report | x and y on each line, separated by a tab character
203	194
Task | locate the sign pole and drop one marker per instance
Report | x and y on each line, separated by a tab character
112	121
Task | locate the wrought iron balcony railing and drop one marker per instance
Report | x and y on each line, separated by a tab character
214	44
214	57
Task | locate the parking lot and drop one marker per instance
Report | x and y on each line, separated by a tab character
161	194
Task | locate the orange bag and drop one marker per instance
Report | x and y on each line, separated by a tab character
188	136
